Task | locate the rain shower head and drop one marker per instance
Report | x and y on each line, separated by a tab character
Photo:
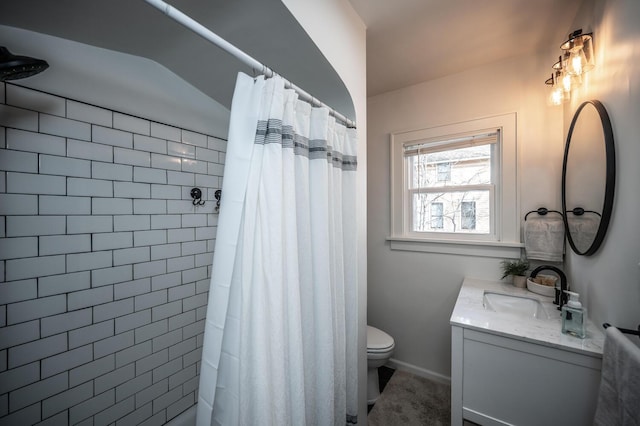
13	67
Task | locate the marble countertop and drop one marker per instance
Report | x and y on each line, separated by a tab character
469	312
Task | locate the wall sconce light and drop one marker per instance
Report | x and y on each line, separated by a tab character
580	48
567	80
557	94
575	61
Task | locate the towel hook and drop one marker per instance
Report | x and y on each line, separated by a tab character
542	211
196	194
579	211
218	195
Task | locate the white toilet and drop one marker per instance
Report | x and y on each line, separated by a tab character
379	349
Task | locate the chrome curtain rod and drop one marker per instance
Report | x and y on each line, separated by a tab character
209	35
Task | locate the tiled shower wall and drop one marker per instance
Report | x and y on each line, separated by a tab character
104	262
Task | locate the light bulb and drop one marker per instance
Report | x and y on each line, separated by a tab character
577	60
566	82
556	93
557	96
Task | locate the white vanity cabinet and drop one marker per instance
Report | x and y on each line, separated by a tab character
518	371
500	381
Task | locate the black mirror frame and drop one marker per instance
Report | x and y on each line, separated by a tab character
607	206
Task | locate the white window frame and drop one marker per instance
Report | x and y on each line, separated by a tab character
504	241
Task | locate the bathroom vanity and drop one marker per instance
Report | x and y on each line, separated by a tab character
510	363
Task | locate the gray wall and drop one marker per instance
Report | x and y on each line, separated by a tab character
105	262
411	294
609	280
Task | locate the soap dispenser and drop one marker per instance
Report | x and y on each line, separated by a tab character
574	317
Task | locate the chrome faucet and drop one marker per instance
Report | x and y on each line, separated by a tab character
561	295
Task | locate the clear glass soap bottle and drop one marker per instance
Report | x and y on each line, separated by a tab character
574	317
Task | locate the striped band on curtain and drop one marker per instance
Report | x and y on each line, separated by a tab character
273	131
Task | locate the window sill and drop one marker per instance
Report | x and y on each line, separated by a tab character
497	249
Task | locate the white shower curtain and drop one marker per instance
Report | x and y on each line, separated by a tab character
281	328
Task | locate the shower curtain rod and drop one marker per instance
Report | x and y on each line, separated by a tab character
223	44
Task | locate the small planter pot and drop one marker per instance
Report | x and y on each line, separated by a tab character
519	281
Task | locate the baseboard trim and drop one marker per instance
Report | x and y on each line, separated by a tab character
419	371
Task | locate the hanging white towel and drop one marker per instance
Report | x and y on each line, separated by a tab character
583	230
544	238
619	395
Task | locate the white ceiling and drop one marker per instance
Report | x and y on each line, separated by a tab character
411	41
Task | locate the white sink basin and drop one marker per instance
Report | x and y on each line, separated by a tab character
515	305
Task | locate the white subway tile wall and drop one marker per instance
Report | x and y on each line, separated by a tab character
104	262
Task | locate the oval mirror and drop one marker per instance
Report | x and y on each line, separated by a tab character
588	178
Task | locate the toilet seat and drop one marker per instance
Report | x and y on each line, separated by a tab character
378	341
380	347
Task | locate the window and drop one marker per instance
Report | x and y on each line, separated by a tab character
468	214
444	172
436	216
456	184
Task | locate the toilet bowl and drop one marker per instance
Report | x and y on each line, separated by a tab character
379	349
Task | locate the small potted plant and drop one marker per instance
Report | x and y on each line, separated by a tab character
517	269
